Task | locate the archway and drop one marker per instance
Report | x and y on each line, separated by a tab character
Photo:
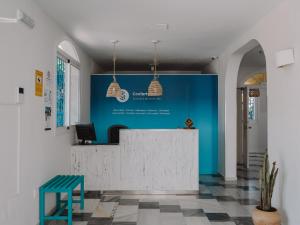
251	113
228	155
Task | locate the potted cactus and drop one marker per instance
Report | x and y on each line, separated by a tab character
265	214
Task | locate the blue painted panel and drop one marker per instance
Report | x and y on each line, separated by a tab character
194	96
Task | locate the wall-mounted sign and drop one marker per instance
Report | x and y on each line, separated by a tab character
38	83
185	96
124	96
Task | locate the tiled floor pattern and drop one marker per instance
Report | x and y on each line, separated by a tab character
218	203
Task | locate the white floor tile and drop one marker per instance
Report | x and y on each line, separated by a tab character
90	206
126	213
105	209
196	221
234	209
148	217
169	202
171	219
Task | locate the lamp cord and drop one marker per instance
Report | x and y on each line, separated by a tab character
155	61
114	61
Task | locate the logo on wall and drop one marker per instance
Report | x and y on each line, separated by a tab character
124	96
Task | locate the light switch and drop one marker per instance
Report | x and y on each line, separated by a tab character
20	95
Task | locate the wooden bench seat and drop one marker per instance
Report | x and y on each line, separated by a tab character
58	185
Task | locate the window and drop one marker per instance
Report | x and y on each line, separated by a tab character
60	92
251	108
74	95
67	86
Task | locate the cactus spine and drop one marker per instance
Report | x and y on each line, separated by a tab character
267	182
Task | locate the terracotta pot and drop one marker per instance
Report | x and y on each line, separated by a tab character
260	217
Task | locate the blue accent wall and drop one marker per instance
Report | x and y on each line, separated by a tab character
193	96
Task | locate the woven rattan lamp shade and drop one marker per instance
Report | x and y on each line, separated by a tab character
113	90
155	88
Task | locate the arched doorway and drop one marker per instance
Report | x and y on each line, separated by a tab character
251	113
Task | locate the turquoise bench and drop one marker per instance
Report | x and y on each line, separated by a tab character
61	184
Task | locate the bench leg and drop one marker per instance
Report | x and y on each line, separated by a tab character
42	206
70	202
82	194
58	200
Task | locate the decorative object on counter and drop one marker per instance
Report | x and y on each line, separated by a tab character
48	101
39	83
114	89
155	88
189	124
265	214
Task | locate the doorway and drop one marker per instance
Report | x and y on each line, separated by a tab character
251	114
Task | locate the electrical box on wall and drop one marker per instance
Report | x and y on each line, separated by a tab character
285	57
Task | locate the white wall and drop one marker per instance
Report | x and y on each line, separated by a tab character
278	30
41	154
263	119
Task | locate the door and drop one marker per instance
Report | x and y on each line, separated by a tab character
242	127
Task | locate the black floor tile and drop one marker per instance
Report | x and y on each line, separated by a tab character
170	208
193	212
148	205
78	216
89	194
205	196
110	198
81	216
242	220
209	183
218	217
225	198
100	221
124	223
248	201
129	202
248	188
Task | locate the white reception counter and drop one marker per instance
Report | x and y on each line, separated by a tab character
146	160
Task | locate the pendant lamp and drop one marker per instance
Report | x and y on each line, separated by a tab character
155	88
114	89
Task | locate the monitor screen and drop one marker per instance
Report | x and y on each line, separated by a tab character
85	132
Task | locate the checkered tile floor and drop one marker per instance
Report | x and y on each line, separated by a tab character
218	203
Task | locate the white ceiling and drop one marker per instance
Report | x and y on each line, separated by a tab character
198	29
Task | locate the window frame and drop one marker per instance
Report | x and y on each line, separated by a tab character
254	109
69	60
79	94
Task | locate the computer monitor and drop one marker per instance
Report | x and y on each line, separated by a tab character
85	132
